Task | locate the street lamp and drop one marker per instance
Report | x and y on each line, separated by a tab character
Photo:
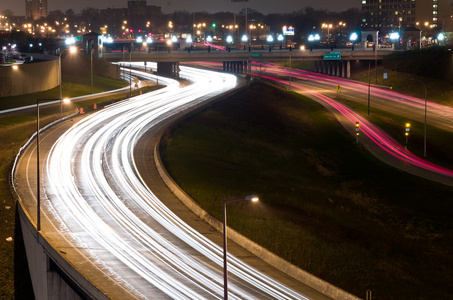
426	108
313	38
244	39
71	49
130	70
328	26
394	36
38	186
353	38
270	40
440	37
91	63
189	41
280	39
229	40
225	257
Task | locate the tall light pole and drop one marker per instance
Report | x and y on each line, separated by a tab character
369	85
225	256
91	62
426	109
38	185
290	71
71	49
375	53
130	71
353	38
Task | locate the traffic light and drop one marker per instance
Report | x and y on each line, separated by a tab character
357	130
408	129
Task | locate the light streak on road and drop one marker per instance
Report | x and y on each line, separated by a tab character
405	101
358	87
94	188
379	137
383	140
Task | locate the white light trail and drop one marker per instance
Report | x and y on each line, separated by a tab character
94	186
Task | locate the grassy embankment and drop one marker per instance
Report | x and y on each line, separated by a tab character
14	131
326	204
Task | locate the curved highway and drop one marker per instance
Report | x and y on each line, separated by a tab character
95	197
322	88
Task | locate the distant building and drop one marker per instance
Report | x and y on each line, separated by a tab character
35	9
137	17
407	13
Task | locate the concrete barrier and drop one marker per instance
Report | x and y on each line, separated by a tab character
29	78
303	276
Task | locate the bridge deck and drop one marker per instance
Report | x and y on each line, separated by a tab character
218	55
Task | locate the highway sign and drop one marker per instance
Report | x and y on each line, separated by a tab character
332	56
339	88
256	54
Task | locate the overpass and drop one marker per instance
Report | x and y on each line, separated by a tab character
336	62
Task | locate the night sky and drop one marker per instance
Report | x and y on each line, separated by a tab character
263	6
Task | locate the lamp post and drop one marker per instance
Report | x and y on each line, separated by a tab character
369	86
313	38
426	108
270	40
38	185
71	49
130	70
353	38
229	40
328	26
375	53
225	257
91	63
280	39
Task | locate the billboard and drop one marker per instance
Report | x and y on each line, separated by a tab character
288	30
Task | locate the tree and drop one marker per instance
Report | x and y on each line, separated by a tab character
7	13
90	16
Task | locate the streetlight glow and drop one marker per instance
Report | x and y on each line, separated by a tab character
394	35
252	198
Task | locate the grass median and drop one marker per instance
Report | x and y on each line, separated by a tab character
326	204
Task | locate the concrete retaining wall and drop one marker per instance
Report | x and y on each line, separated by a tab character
29	78
53	277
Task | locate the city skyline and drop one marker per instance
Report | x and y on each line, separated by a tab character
169	6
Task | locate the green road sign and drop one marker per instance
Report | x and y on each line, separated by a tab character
332	56
256	54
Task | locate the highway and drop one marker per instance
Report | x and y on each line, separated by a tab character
376	140
322	89
100	211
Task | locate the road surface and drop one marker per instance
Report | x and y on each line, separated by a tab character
101	215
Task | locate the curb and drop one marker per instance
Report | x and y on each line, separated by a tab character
303	276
